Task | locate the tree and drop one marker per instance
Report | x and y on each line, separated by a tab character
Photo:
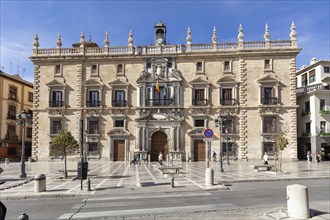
64	144
281	142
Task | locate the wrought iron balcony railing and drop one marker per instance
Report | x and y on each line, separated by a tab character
56	103
11	116
119	103
12	96
228	102
9	137
159	102
269	101
92	103
200	102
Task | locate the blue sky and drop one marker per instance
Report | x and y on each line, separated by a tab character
21	19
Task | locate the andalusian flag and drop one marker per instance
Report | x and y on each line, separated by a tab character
157	87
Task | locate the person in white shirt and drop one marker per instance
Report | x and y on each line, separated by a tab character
265	157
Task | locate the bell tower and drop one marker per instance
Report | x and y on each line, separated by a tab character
160	33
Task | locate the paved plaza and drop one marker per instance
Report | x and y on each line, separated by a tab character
123	178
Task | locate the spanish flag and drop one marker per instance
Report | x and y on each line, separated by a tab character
157	87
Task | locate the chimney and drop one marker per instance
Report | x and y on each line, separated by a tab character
313	60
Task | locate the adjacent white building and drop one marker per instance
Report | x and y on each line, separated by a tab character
313	98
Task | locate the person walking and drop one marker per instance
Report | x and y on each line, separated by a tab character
318	157
265	157
214	156
309	156
160	159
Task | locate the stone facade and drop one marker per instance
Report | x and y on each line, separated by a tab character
162	97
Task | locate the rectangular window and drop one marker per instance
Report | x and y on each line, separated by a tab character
30	97
226	145
13	93
307	107
322	104
228	127
169	65
11	130
227	97
311	78
199	97
120	68
148	65
226	66
304	79
267	64
57	69
119	98
93	149
326	69
199	123
12	112
93	100
56	99
307	128
29	132
93	127
268	125
119	123
199	67
94	69
322	126
268	96
56	126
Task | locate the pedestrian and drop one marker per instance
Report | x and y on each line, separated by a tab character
214	156
265	157
309	156
138	157
318	157
160	159
170	163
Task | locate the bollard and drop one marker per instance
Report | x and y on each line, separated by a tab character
40	183
209	177
89	185
297	201
7	161
172	182
24	216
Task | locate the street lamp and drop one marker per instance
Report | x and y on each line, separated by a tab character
227	146
218	123
22	119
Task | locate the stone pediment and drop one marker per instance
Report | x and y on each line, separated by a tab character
119	82
93	82
118	131
158	117
199	81
56	83
268	79
196	132
227	79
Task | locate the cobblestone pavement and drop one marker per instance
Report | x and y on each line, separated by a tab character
118	178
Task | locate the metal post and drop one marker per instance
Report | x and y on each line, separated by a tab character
23	174
220	127
81	150
227	146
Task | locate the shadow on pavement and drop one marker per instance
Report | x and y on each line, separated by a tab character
106	188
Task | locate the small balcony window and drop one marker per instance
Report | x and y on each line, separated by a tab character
311	78
227	66
268	96
93	99
119	123
119	99
11	112
56	99
93	127
199	123
199	97
30	97
13	93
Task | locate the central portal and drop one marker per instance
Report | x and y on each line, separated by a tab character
158	144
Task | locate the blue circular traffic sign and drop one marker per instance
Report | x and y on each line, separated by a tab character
208	133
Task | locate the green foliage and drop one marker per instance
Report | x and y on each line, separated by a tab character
63	144
282	143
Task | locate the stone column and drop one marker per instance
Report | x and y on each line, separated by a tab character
178	137
144	138
173	138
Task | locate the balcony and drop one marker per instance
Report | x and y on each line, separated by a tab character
9	137
306	89
119	103
13	96
159	102
11	117
228	102
200	102
324	112
55	104
306	134
92	103
269	101
305	113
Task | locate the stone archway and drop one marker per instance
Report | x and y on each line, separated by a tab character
158	144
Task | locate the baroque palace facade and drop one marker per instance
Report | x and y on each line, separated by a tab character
161	98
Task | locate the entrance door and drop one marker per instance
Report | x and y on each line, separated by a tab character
119	150
199	150
158	143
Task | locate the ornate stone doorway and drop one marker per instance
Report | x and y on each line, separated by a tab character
158	144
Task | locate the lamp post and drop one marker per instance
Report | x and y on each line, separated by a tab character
227	146
218	123
21	119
